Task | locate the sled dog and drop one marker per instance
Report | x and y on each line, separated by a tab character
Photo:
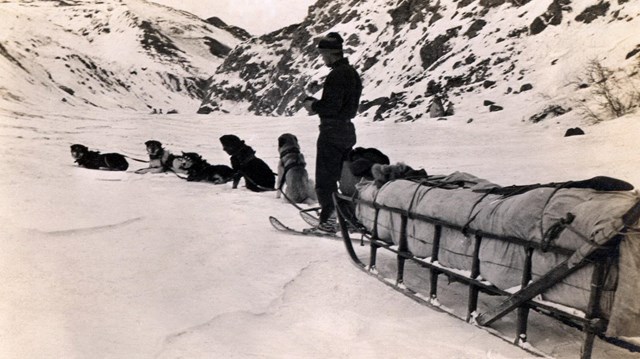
257	175
358	166
160	159
293	177
198	169
98	161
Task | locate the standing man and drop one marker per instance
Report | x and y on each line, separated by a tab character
338	105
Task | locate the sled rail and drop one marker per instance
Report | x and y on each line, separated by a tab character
520	302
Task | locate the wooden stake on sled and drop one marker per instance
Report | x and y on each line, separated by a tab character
521	301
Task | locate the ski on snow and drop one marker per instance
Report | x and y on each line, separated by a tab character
277	224
284	228
311	220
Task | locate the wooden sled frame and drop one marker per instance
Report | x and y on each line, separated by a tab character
521	301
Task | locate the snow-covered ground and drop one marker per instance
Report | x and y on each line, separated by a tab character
119	265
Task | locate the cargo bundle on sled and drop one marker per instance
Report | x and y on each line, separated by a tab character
567	250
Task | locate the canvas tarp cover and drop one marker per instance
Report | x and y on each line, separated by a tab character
528	216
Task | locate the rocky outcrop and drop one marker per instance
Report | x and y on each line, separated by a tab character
404	49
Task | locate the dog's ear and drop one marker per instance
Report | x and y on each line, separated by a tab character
79	148
153	143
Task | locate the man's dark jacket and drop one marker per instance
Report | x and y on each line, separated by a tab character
340	100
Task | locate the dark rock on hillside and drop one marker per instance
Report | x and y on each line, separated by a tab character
553	16
593	12
388	104
488	83
431	51
154	40
549	111
630	54
7	55
526	87
475	28
217	48
366	105
240	33
575	131
412	12
66	89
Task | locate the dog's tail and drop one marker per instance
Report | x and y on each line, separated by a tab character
260	187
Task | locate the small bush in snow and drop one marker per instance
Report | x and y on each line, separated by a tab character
614	90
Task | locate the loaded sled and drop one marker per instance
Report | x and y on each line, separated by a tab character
570	251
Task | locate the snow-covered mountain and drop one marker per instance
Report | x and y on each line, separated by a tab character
422	59
130	54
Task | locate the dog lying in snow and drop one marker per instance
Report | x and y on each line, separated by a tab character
257	175
362	159
160	159
292	172
198	169
98	161
358	165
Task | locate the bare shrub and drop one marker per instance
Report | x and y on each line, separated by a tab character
614	91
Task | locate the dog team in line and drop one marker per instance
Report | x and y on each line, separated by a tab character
292	176
257	175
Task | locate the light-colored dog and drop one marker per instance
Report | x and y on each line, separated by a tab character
385	173
293	178
161	160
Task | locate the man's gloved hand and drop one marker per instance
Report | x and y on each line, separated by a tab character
308	102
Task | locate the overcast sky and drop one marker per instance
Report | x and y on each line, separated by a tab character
256	16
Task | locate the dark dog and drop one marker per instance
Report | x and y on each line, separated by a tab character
160	160
198	169
257	175
97	161
292	172
358	165
362	159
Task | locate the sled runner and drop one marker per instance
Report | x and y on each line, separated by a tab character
568	252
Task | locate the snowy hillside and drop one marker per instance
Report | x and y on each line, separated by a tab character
110	54
524	60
